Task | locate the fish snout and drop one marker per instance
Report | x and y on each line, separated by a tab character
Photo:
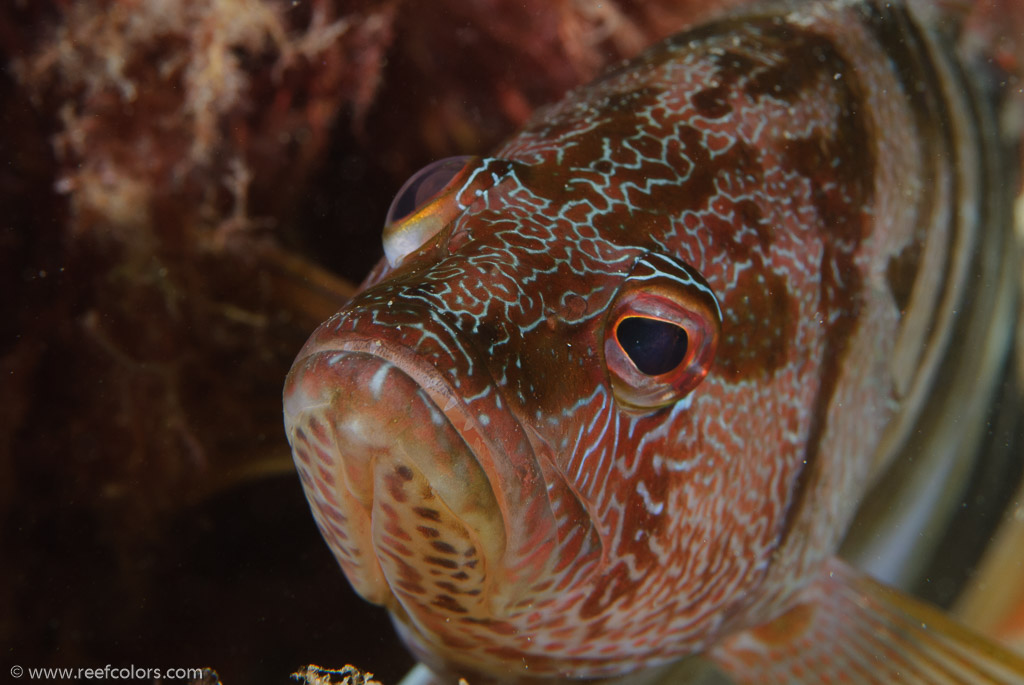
403	490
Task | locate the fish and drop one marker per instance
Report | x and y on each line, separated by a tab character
616	391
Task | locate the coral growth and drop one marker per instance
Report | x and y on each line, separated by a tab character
318	675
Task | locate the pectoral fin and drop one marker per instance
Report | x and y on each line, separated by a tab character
851	629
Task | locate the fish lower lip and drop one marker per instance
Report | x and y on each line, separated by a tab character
393	485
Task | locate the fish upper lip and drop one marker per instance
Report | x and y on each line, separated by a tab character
437	387
426	375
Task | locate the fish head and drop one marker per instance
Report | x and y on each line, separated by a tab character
566	426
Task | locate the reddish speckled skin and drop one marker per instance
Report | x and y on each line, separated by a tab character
456	427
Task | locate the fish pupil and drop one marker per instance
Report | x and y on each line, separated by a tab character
654	346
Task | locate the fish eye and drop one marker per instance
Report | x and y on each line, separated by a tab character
654	346
662	334
423	186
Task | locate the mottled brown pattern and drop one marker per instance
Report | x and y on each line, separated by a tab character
923	86
841	167
712	102
757	327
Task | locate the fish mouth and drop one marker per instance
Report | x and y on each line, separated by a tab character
431	509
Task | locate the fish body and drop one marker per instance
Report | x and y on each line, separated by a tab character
615	395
